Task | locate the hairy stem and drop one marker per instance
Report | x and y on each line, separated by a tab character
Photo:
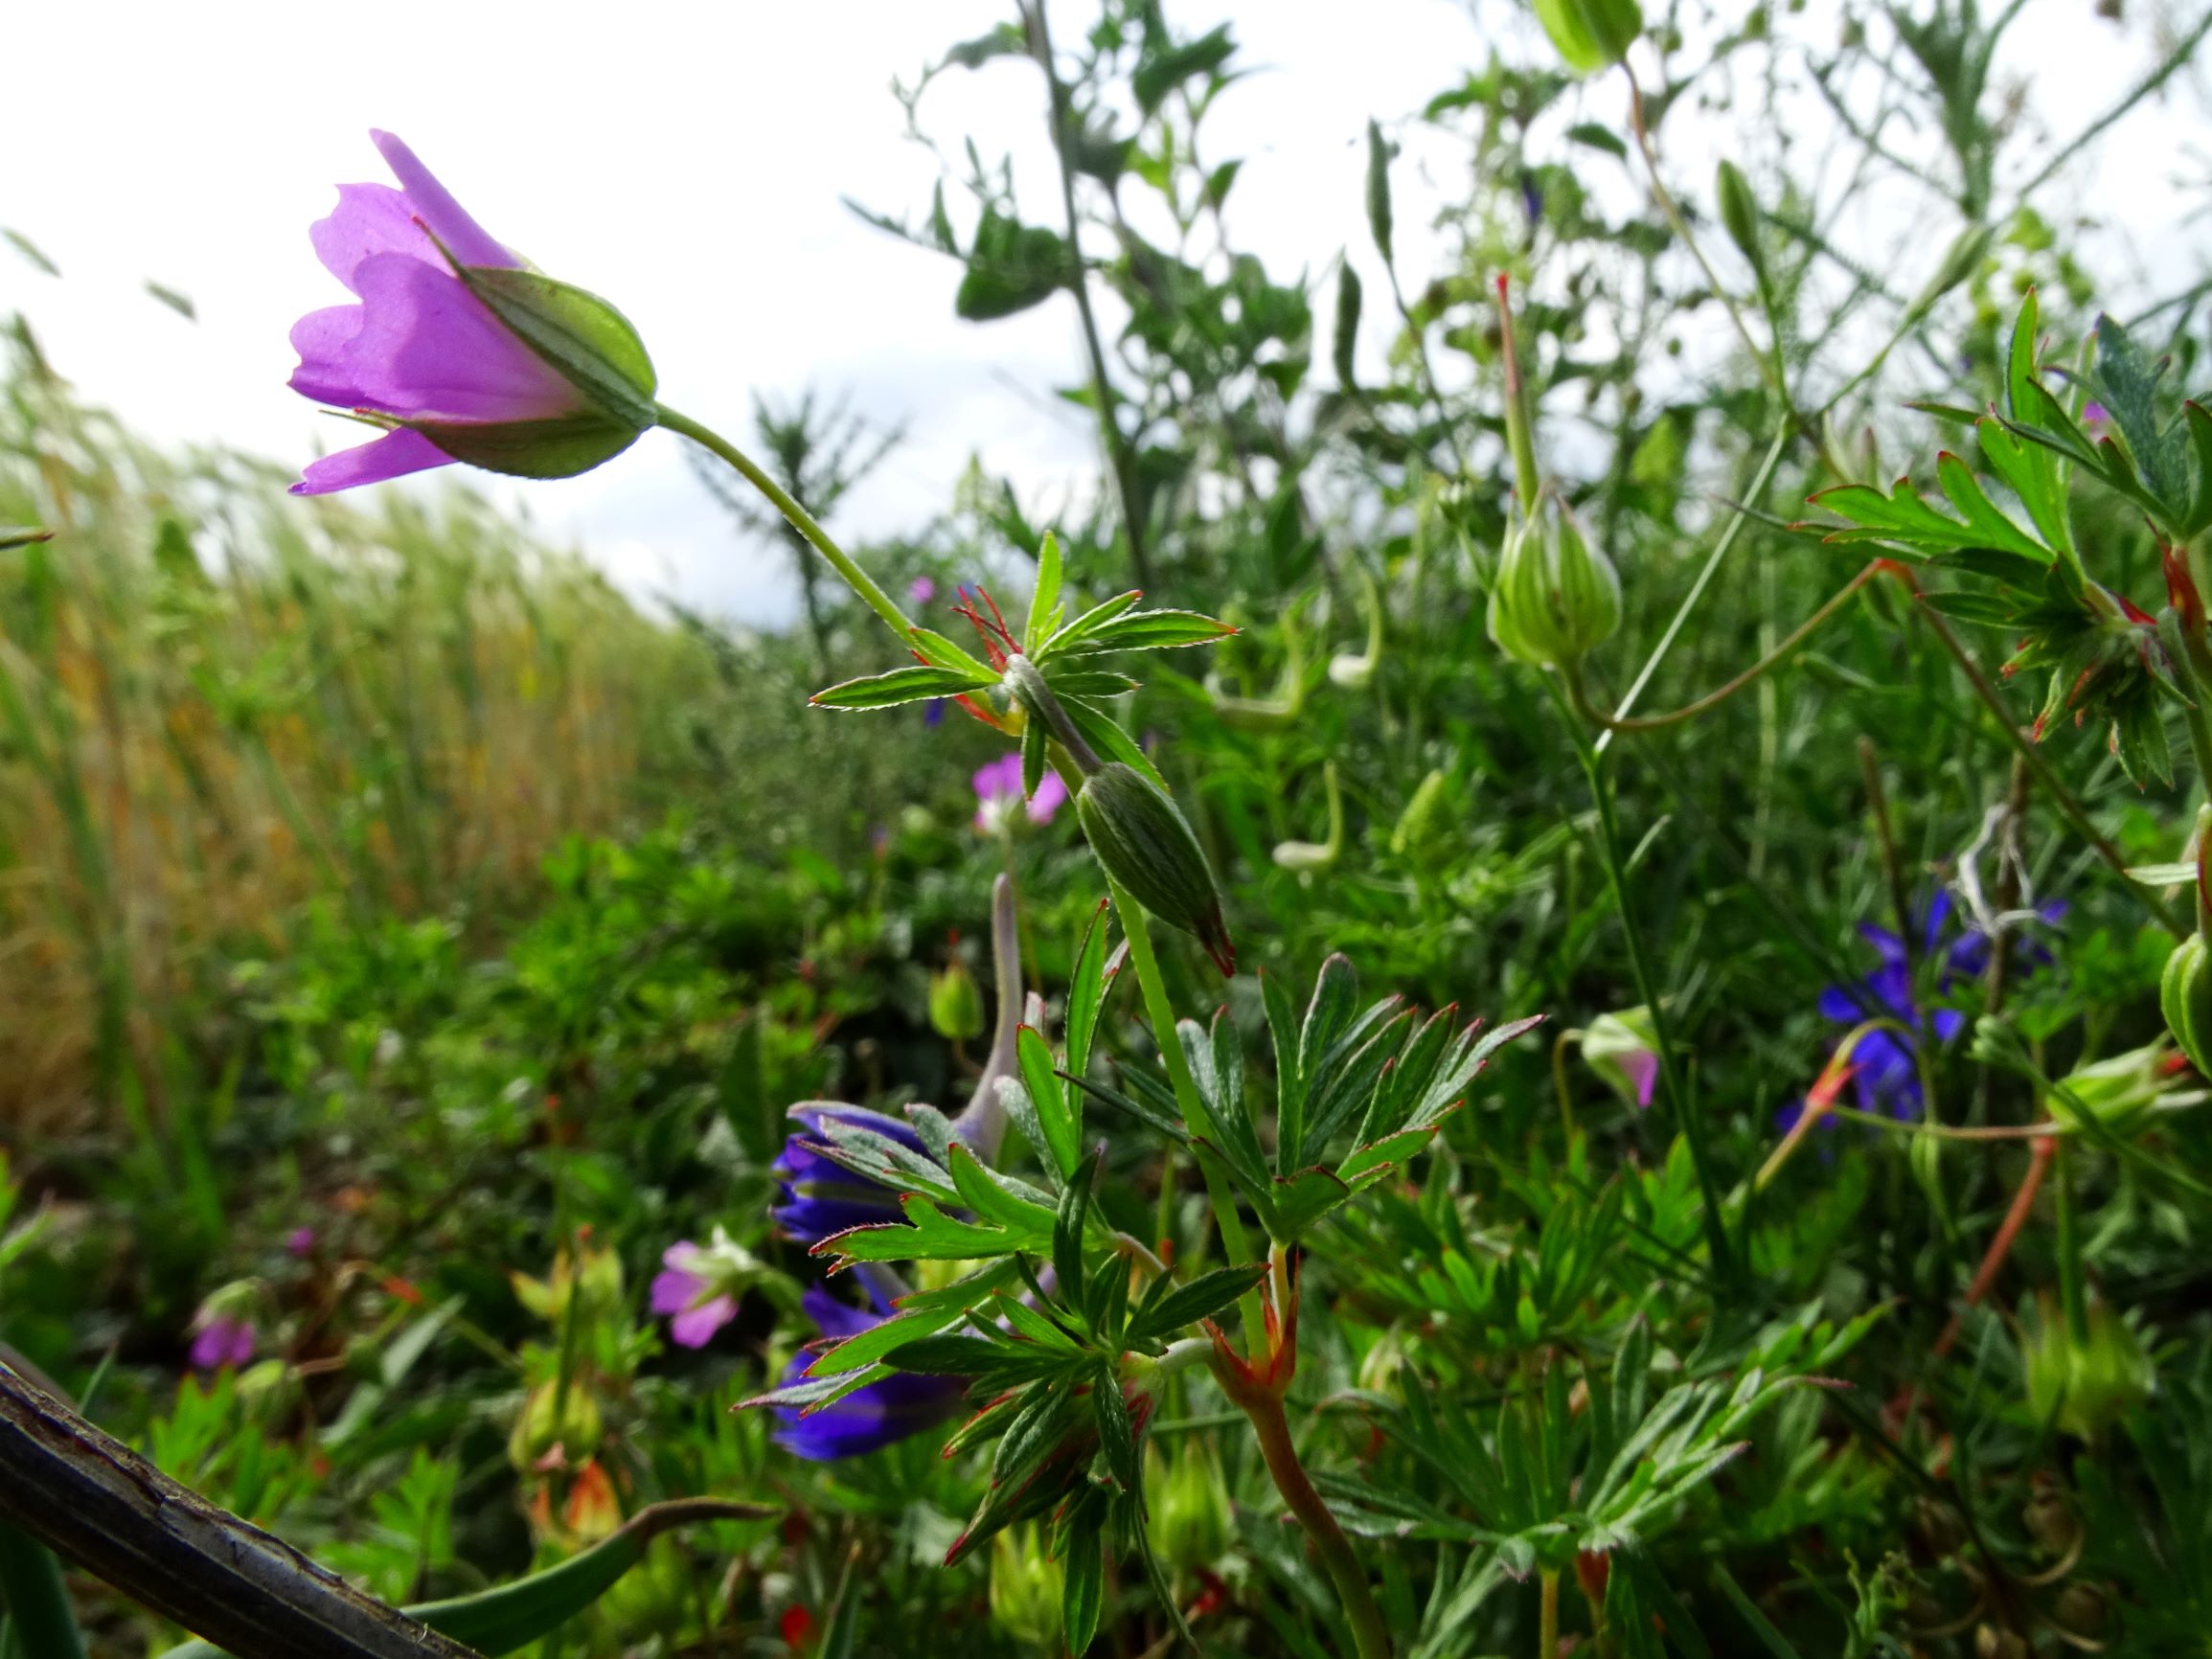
1272	1429
803	521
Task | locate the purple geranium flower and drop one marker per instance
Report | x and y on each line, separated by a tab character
1886	1075
686	1292
816	1198
225	1340
868	1419
301	1241
998	788
419	348
922	590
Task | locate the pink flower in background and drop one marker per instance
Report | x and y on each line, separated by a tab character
223	1341
301	1241
998	788
419	346
697	1287
922	590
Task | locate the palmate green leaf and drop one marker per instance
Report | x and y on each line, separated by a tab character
2126	383
1167	1308
1217	1066
940	653
1156	630
910	685
1074	632
1158	1117
1160	71
1011	267
1000	1199
929	1235
1903	520
887	1162
924	1313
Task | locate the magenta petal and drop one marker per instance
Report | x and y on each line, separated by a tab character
394	455
371	219
1642	1070
673	1289
695	1326
467	241
1051	794
428	350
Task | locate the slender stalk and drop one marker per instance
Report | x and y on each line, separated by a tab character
1118	462
1901	906
1547	1635
803	521
1713	699
2070	808
2070	1293
1136	929
1697	588
1272	1429
1671	1083
2001	1246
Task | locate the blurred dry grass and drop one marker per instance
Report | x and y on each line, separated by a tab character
216	701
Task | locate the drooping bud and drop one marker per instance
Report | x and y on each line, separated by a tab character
2087	1384
1556	598
955	1004
1144	842
1191	1524
1590	34
1344	342
2185	989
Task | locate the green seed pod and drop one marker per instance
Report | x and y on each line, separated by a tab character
1380	150
1145	842
1740	216
955	1004
1347	335
2185	997
1556	598
1426	817
1590	34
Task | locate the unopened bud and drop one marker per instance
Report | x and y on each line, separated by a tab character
2085	1386
955	1004
1145	842
1557	598
1025	1590
1740	216
1425	818
1624	1050
571	1422
1191	1524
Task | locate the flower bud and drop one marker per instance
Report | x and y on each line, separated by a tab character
1191	1524
955	1004
1025	1590
2118	1090
1556	598
2086	1386
1144	842
2185	999
1740	216
1426	817
1590	34
549	1419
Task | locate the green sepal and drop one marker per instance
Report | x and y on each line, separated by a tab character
591	344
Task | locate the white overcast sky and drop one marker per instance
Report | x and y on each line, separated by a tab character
688	160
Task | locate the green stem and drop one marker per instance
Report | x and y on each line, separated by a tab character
1547	1635
1136	929
1369	1633
1670	1084
802	521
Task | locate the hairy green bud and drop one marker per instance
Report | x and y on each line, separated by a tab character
1740	216
2088	1385
1189	1525
2185	999
1557	598
955	1004
1144	842
1344	343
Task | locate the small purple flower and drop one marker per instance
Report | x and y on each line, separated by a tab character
933	712
1887	1076
922	590
686	1293
998	788
419	348
301	1242
869	1418
223	1341
817	1197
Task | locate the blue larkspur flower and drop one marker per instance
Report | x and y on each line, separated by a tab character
815	1196
869	1418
